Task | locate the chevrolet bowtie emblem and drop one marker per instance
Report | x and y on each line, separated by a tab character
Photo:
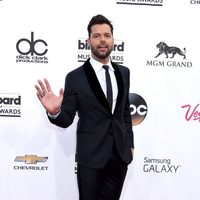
30	159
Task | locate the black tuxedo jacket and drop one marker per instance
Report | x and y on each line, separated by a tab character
97	127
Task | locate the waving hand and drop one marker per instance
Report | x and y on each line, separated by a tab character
48	99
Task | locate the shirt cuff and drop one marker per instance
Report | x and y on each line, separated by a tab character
54	116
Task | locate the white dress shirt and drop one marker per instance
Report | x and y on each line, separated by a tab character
100	73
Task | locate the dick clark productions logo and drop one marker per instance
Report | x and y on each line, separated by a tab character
138	108
31	51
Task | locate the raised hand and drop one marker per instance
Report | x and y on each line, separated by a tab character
48	99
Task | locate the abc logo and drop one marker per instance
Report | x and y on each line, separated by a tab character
138	108
32	43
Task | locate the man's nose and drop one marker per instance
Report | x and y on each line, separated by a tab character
102	38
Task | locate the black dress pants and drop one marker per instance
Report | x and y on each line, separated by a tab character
105	183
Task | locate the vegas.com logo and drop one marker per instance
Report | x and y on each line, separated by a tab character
192	113
31	50
138	107
10	105
117	54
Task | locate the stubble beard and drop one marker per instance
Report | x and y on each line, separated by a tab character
100	55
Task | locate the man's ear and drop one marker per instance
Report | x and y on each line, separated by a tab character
88	41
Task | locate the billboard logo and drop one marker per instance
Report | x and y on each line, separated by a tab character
138	107
117	54
10	105
83	45
141	2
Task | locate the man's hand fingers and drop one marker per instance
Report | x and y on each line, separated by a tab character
48	87
42	86
39	91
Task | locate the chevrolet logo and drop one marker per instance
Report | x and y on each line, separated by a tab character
30	159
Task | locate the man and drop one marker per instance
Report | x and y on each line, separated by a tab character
100	96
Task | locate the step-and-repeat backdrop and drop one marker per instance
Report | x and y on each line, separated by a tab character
158	40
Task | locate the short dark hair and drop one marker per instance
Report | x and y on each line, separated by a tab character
99	19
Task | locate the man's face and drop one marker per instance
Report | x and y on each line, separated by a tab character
101	42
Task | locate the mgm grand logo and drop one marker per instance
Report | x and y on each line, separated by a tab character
170	56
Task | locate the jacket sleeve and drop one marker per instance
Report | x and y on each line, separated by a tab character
68	106
127	115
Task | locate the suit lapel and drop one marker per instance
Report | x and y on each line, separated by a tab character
96	87
120	84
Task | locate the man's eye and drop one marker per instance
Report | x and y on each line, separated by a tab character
108	36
